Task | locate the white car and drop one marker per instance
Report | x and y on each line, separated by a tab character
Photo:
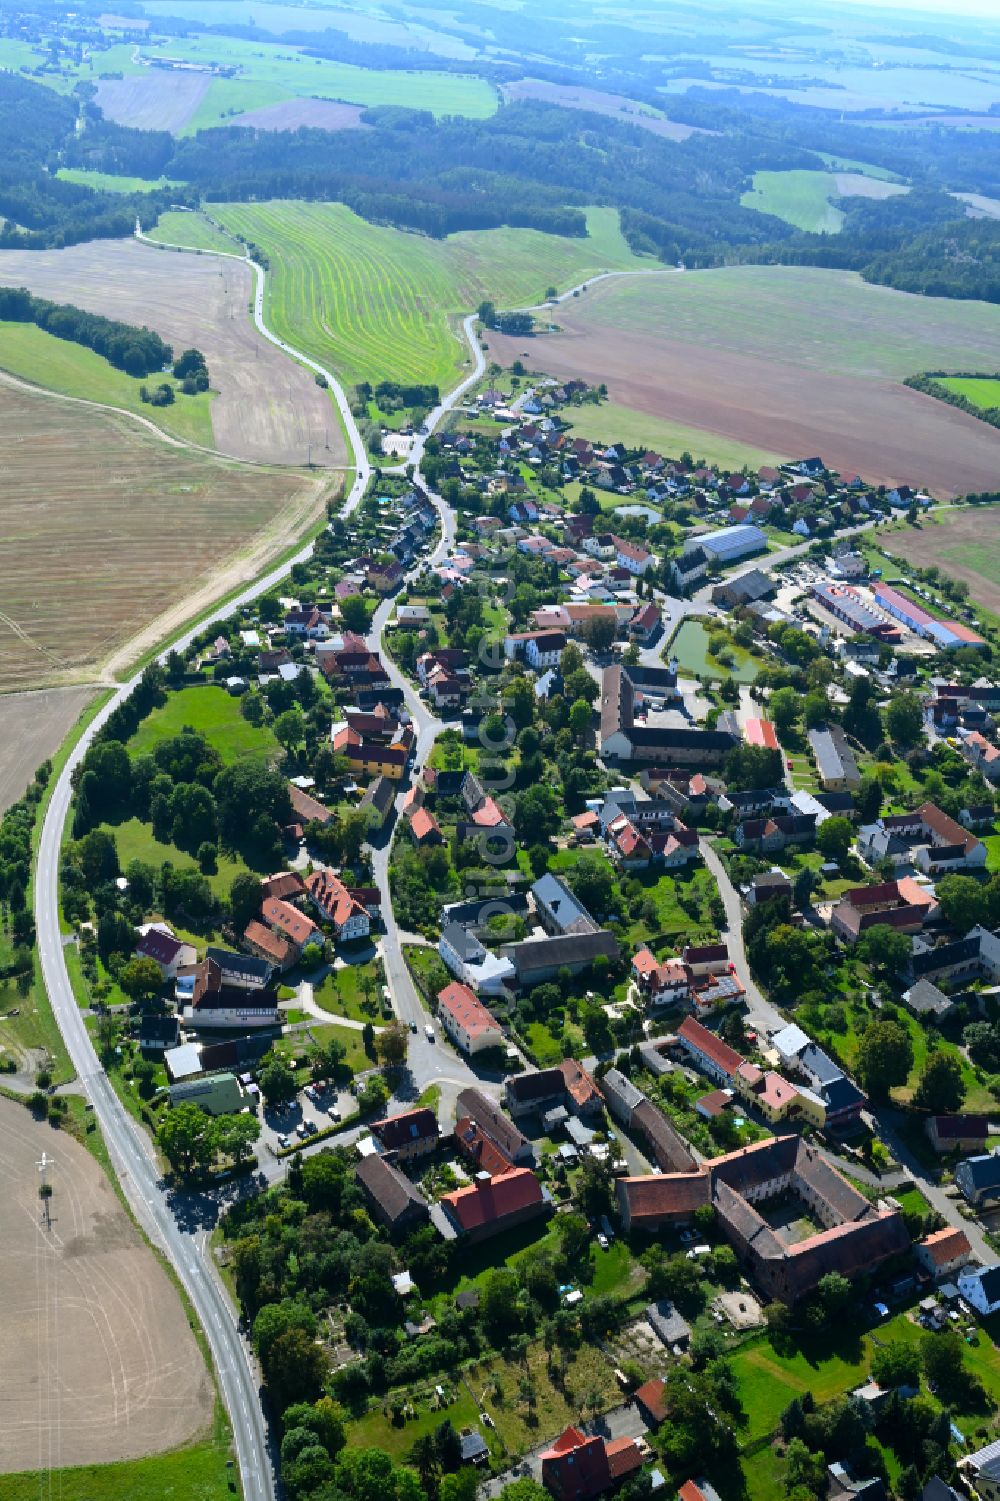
602	1240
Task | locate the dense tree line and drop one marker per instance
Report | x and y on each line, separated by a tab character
137	351
39	210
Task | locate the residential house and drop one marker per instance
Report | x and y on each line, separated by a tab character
583	1095
958	1133
558	910
228	991
903	904
932	840
332	899
377	803
980	1287
289	923
579	1468
944	1252
982	1468
411	1134
706	959
835	763
713	1056
473	964
979	1178
157	1034
466	1020
266	944
170	953
534	1092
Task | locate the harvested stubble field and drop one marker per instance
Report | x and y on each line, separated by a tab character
153	100
293	114
596	102
380	304
113	537
789	359
34	727
269	409
964	543
97	1362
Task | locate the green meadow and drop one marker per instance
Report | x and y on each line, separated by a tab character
982	390
378	303
73	370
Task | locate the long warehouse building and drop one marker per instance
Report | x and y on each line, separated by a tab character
947	634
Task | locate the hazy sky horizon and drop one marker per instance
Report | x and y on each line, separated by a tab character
985	10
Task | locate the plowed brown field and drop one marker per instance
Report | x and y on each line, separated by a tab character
792	360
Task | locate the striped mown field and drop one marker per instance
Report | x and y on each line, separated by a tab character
377	303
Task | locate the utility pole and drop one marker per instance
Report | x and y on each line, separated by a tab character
45	1187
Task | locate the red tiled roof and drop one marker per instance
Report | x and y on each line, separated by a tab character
760	732
278	949
283	884
580	1087
623	1456
466	1010
947	1245
650	1396
486	1201
665	1194
288	920
712	1047
308	808
423	824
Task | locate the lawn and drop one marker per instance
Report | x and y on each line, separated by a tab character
107	182
977	1096
690	647
179	227
215	714
377	303
341	993
800	198
195	1473
611	423
135	841
768	1381
296	1044
59	365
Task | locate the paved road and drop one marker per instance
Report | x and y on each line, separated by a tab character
761	1014
764	1016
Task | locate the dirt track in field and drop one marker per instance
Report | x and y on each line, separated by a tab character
269	409
157	100
97	1362
948	540
875	427
292	114
34	725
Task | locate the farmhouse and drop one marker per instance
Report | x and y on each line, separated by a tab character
491	1205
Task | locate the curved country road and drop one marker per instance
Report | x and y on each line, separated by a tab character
167	1219
132	1153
